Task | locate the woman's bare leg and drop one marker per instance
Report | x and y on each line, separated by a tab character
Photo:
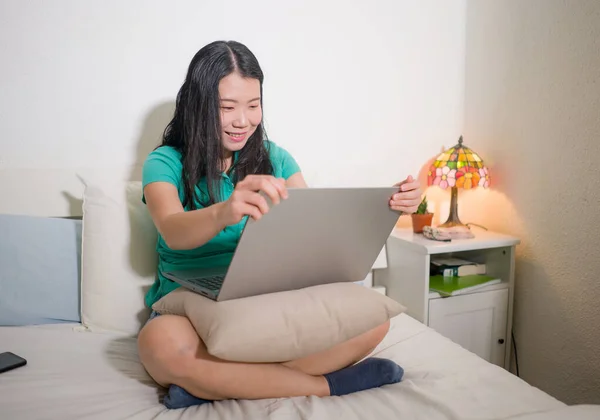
172	353
341	355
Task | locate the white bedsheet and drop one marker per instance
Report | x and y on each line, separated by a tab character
81	375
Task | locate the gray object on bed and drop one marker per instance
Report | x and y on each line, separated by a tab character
39	270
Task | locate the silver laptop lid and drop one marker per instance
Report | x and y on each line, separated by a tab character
316	236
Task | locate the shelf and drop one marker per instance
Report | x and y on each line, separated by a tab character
497	286
483	240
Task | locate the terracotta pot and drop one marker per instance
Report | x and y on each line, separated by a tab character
421	220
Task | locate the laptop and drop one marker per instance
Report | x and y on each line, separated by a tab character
316	236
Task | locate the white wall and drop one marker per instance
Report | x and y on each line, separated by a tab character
532	108
362	93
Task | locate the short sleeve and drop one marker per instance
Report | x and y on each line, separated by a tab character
162	165
284	163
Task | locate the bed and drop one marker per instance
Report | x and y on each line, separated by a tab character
89	368
76	374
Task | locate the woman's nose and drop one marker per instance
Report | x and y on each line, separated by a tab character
240	120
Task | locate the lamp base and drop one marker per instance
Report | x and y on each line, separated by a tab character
450	224
453	219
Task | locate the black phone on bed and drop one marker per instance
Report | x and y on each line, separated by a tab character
9	361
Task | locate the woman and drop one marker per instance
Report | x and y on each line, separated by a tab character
199	187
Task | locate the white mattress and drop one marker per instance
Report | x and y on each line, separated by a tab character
73	374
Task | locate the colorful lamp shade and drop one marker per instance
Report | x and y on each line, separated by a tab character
458	167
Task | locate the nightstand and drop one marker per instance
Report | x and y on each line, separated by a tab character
480	320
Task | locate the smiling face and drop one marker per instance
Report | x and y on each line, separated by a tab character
241	111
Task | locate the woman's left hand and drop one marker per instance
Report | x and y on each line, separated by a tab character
408	198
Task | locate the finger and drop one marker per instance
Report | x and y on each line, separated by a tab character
281	187
253	182
252	211
412	195
265	184
408	195
404	209
271	189
405	203
400	209
256	200
408	186
407	180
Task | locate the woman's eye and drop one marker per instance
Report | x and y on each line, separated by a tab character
253	106
227	108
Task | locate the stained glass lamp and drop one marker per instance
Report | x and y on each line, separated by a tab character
458	167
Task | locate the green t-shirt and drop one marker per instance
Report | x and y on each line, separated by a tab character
164	165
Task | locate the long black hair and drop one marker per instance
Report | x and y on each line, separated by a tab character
195	130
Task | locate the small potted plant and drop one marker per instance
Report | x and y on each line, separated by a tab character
422	217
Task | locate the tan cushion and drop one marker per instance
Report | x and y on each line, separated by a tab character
281	326
119	259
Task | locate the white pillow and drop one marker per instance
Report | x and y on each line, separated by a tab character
119	259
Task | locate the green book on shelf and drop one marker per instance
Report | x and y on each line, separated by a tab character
452	286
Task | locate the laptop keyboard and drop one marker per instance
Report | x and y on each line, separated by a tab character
213	283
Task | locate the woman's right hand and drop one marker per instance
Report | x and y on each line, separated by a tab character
246	199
